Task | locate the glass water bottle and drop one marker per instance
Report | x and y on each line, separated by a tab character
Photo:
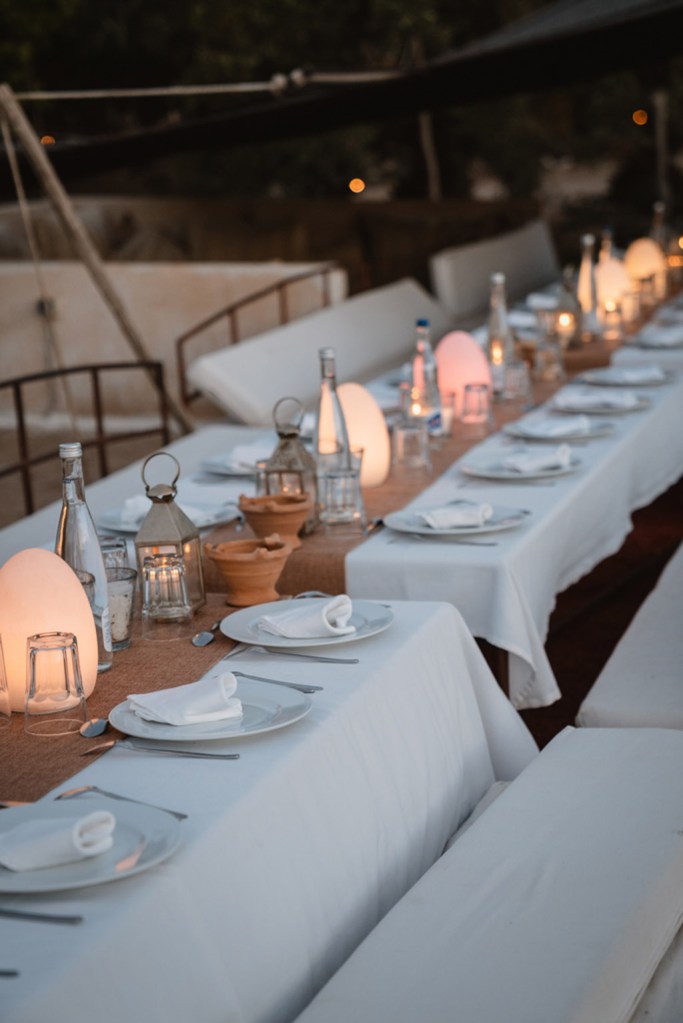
586	291
500	342
78	544
425	378
331	439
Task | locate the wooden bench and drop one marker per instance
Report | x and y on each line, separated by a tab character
642	682
561	904
371	332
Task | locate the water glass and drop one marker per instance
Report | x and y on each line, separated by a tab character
166	607
55	700
121	590
5	708
517	386
476	416
115	551
548	365
410	445
447	400
339	492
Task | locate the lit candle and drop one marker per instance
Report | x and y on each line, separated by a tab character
497	353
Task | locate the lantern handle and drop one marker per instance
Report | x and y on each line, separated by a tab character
156	454
297	416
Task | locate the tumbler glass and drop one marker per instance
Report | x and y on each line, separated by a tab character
55	700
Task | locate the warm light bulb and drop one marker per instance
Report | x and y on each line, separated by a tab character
356	185
640	117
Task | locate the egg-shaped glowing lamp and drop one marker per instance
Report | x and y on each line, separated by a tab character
644	258
367	429
460	360
39	592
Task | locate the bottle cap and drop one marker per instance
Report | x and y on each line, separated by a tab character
72	449
498	278
422	323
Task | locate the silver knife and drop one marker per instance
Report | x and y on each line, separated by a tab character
47	918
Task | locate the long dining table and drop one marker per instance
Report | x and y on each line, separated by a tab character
287	857
506	589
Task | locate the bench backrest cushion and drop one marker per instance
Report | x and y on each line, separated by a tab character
460	275
370	332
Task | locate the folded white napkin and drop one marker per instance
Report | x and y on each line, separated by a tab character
573	398
245	456
540	300
53	841
310	621
135	508
209	699
635	374
461	513
659	336
568	427
522	319
530	461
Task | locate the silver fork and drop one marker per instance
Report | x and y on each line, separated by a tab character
82	789
240	648
408	537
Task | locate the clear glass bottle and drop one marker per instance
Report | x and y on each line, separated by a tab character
330	439
586	290
78	544
500	342
659	231
606	245
425	377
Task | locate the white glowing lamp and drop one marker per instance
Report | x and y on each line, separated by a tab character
39	592
460	361
612	282
644	258
367	429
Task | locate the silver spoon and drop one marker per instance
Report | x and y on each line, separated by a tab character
94	727
206	636
279	682
128	743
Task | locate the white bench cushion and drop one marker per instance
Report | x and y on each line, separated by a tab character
557	905
370	332
460	275
641	684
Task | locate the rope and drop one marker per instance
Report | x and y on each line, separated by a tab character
50	343
277	84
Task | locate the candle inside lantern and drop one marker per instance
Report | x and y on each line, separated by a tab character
612	321
497	353
565	327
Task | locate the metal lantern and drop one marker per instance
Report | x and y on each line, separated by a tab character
166	529
291	468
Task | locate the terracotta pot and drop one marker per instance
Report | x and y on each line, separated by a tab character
284	514
250	568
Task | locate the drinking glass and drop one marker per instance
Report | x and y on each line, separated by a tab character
5	709
476	417
121	590
517	386
339	491
115	551
55	700
166	607
410	445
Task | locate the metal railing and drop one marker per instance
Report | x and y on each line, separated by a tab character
25	462
231	313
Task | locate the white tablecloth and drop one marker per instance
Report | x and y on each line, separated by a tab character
507	592
556	906
292	854
642	682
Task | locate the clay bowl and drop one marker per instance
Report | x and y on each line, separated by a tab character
250	568
284	514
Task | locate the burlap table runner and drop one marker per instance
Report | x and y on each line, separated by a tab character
31	765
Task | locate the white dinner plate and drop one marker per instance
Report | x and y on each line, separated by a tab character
143	837
220	467
407	521
498	471
369	619
612	376
601	410
265	708
216	515
520	432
